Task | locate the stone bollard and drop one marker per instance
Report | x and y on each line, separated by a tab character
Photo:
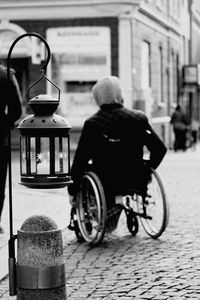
40	261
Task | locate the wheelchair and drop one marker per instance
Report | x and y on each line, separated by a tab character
91	219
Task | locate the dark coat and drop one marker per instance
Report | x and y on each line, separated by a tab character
179	120
113	140
9	96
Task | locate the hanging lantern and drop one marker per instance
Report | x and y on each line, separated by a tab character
44	146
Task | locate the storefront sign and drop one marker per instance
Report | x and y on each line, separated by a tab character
80	56
190	75
82	52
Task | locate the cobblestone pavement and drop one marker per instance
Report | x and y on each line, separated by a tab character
125	267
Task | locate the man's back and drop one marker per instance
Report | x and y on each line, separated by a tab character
119	136
118	123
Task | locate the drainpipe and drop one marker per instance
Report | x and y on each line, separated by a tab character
190	56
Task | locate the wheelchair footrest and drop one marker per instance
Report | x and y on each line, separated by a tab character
71	227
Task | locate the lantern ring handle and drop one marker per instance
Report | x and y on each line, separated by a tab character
43	76
44	66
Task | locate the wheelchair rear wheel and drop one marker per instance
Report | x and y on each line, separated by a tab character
91	209
154	208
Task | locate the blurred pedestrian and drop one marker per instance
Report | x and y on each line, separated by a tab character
112	142
180	125
194	133
10	96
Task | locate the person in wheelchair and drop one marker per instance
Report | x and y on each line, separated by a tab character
112	145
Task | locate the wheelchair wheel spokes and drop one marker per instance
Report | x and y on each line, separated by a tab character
91	209
154	208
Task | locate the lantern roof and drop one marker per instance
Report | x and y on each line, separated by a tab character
53	121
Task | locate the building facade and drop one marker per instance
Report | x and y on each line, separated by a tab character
194	61
144	42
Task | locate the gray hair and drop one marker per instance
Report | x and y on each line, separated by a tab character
108	90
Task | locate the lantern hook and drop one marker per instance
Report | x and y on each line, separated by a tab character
44	66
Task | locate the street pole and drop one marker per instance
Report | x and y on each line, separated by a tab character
11	242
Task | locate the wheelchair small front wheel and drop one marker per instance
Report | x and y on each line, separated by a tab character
153	208
78	232
91	209
132	222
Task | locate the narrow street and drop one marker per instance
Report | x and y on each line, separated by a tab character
59	51
125	267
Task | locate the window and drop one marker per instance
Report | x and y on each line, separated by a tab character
175	76
175	8
79	86
145	65
80	56
160	76
160	4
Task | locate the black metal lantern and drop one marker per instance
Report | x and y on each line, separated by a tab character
44	146
45	140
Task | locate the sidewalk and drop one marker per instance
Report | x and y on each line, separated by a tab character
123	267
189	154
27	202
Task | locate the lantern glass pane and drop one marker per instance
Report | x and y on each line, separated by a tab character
61	155
23	155
42	155
65	151
32	155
